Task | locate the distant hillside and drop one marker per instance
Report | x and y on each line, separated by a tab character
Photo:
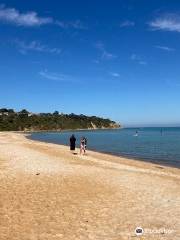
26	121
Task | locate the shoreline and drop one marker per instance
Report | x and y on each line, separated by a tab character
65	130
128	157
49	193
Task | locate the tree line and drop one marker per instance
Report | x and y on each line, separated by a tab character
27	121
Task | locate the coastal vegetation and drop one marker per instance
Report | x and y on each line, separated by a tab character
24	120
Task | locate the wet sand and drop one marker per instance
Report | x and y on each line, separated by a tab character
46	192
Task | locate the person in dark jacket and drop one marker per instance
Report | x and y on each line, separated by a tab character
72	141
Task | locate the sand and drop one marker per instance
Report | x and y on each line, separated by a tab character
46	192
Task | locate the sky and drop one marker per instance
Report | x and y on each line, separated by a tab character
116	59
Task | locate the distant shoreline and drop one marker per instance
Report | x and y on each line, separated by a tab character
65	130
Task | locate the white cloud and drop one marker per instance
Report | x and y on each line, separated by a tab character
96	61
114	74
138	59
77	24
173	83
142	63
134	57
35	46
53	76
127	23
31	19
165	48
105	55
28	19
99	45
167	22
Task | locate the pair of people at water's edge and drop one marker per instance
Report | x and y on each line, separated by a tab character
83	144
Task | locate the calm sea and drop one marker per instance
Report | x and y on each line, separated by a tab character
158	145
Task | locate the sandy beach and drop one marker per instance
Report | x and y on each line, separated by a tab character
47	193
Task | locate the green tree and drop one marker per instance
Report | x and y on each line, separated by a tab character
55	113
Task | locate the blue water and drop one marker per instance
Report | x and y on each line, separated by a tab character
158	145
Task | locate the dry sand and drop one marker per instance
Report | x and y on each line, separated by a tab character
46	192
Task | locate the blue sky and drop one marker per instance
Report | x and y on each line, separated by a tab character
116	59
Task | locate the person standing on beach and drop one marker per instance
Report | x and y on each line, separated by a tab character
83	145
72	141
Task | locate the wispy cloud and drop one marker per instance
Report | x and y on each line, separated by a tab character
127	23
142	63
166	22
96	61
99	45
165	48
24	47
32	19
138	59
105	55
77	24
114	74
134	57
28	19
54	76
173	83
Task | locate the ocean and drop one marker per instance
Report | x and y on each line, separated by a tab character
157	145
